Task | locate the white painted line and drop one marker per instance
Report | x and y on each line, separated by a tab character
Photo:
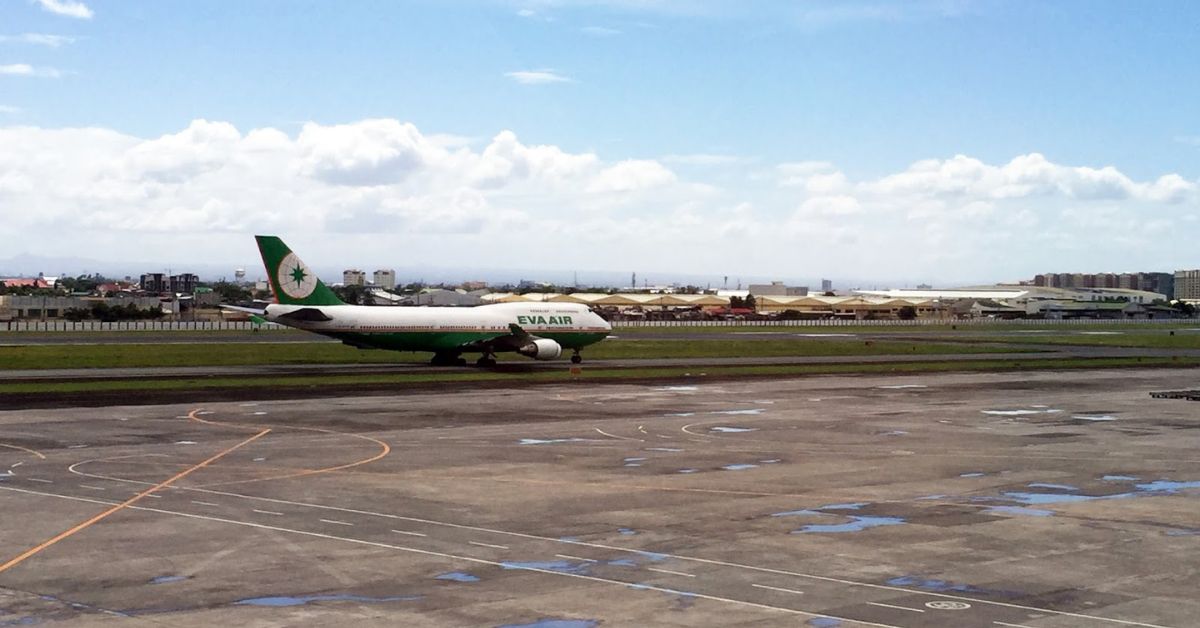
154	495
409	533
569	557
76	446
780	589
488	545
1000	623
617	437
17	464
673	573
40	480
414	550
94	488
267	512
196	501
903	608
336	522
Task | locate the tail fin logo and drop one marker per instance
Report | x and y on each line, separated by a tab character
295	279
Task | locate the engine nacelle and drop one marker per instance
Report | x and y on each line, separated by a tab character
541	349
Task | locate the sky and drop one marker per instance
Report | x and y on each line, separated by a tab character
880	143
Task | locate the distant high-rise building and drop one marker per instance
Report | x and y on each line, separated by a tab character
354	278
184	283
385	278
155	282
1187	284
826	285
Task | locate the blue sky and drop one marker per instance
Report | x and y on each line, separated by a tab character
870	87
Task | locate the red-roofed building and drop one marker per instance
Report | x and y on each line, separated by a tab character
21	282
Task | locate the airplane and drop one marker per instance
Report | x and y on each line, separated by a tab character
537	330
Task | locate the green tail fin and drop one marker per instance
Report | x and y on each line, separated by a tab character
291	280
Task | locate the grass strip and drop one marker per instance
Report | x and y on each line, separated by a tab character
253	354
334	382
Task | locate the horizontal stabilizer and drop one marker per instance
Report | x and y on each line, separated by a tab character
310	314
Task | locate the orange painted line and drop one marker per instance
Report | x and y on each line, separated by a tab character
24	449
165	483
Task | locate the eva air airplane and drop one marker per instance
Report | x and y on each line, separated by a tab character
537	330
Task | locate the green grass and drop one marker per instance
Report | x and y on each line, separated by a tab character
1142	339
249	354
333	382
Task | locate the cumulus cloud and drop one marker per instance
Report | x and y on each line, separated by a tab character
24	69
374	183
538	77
39	39
67	8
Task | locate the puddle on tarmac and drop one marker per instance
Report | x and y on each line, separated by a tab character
678	388
458	576
626	531
671	449
167	579
739	412
550	441
556	623
1118	478
732	430
687	471
739	467
902	386
287	600
560	566
823	622
1062	487
680	414
893	433
1094	417
857	523
930	584
1019	510
972	474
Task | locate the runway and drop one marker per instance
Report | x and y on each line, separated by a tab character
1034	499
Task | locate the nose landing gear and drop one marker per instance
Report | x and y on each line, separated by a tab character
576	358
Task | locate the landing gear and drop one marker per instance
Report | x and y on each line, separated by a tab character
486	360
447	359
576	358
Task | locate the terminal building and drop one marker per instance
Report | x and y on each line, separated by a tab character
1187	285
354	277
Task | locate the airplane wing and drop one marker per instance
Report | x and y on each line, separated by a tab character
309	314
515	339
257	311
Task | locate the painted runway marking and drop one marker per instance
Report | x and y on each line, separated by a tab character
267	512
94	488
903	608
617	437
1001	623
569	557
503	547
23	556
459	526
409	533
196	501
24	449
40	480
780	589
16	464
154	496
673	573
947	605
76	446
336	522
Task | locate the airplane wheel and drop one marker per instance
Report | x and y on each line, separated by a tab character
460	362
485	361
576	359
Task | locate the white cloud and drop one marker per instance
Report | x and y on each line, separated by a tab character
68	8
632	175
24	69
600	31
39	39
382	189
537	77
9	109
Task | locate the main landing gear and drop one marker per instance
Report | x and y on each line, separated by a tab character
447	359
576	358
486	360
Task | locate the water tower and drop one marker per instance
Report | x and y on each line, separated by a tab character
239	275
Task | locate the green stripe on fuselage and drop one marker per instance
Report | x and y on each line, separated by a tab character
440	341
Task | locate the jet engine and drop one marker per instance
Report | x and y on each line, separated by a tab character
541	349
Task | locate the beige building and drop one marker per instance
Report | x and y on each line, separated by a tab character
385	278
1187	285
354	278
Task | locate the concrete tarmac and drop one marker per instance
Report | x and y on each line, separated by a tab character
1037	499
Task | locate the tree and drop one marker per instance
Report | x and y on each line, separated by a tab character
230	292
750	303
354	295
907	313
